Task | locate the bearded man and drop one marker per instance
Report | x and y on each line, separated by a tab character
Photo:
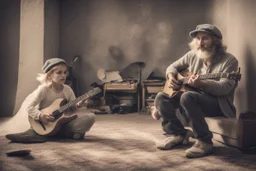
214	97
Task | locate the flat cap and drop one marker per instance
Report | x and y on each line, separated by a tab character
50	63
209	28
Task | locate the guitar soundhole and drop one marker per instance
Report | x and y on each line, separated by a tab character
57	114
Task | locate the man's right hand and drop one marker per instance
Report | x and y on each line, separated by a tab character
173	82
46	117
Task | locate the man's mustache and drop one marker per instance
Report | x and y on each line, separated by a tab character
204	48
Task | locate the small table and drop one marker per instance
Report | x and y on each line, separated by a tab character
123	87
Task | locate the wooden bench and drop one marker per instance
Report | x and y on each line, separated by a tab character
234	132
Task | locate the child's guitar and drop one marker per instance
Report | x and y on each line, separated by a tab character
58	109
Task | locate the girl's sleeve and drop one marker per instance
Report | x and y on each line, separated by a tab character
36	98
71	94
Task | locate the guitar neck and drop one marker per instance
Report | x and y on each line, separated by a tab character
213	75
208	76
71	103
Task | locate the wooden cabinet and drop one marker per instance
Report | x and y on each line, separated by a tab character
124	94
149	91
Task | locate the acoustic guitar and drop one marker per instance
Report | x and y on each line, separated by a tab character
59	110
184	77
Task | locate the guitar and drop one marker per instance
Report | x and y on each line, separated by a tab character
58	110
184	77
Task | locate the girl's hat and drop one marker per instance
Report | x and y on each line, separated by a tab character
50	63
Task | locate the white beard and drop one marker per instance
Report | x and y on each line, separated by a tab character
204	54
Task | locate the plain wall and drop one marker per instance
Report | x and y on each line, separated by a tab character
31	48
9	54
237	19
51	28
241	26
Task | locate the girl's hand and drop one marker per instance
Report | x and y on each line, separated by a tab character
46	117
80	103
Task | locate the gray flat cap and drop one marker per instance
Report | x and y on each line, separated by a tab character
209	28
50	63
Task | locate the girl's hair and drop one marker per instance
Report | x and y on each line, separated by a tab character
44	79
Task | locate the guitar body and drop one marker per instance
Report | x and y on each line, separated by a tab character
184	87
51	128
184	77
58	109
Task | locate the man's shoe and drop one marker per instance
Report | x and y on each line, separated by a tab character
199	149
29	136
170	142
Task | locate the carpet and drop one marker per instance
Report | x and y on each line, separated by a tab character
119	142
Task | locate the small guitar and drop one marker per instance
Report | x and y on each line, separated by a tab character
184	77
58	108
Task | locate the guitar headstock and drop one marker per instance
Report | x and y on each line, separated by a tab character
234	76
94	92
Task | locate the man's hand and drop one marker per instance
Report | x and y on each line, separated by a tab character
46	117
194	81
173	82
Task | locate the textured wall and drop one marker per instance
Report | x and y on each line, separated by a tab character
155	32
9	53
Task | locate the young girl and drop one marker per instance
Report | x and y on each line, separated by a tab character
52	87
